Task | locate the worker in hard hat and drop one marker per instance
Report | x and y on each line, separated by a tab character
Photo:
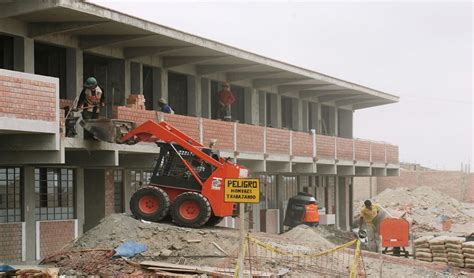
164	106
226	98
91	99
368	214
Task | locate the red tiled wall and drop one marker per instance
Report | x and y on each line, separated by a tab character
109	192
325	146
222	131
278	141
362	150
133	115
54	235
392	154
10	241
302	144
188	125
27	99
344	149
65	102
378	152
249	138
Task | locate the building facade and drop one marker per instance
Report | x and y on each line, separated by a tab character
292	127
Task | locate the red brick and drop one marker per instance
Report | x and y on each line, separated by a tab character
54	235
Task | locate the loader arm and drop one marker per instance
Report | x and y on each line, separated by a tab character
151	131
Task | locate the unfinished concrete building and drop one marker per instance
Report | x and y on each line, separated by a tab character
292	127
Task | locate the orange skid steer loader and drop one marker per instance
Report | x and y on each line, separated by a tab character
187	181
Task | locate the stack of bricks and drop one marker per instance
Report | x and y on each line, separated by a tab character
438	249
422	249
468	253
454	249
136	102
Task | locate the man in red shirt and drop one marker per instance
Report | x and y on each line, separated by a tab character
226	98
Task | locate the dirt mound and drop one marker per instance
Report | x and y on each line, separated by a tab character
307	236
426	208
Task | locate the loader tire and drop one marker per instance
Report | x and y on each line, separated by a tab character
150	203
214	220
190	209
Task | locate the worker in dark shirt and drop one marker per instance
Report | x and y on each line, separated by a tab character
164	107
226	98
91	99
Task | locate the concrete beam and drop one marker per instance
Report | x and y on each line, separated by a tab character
304	168
254	166
278	167
92	158
362	171
210	69
369	103
308	94
265	82
283	89
240	76
135	52
37	29
130	160
15	8
333	97
26	157
345	170
326	169
175	61
379	172
352	100
28	142
91	41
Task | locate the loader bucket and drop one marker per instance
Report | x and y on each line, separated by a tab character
107	130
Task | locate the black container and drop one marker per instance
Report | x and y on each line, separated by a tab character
296	209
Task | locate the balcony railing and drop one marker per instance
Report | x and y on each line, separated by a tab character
237	137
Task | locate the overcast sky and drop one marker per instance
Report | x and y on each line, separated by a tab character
421	52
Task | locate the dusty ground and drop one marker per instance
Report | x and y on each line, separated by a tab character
169	243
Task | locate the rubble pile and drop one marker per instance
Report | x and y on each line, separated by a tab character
426	209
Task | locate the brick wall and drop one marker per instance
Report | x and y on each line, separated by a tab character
378	152
392	154
325	146
10	242
109	192
23	98
302	144
249	138
220	130
278	141
344	149
455	184
362	150
188	125
54	235
362	190
133	115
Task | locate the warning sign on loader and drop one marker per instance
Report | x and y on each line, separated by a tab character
242	190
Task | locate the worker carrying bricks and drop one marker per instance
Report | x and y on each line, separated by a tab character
369	214
91	99
164	106
226	98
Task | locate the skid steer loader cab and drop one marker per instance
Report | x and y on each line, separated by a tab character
301	209
187	182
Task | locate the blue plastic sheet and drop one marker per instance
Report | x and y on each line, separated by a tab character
130	248
5	268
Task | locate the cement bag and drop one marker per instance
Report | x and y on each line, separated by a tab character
468	250
455	260
455	255
453	250
455	240
468	256
438	240
425	259
440	260
453	245
440	248
440	255
469	265
423	239
422	245
469	244
423	250
469	261
456	264
423	255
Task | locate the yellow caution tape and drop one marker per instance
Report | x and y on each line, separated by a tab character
356	261
295	254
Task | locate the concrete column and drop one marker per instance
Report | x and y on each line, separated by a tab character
297	109
345	123
136	78
94	192
319	128
342	203
126	76
313	120
262	103
275	109
24	54
251	100
256	217
281	192
336	122
206	104
80	202
160	85
127	190
305	115
194	95
74	72
29	212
